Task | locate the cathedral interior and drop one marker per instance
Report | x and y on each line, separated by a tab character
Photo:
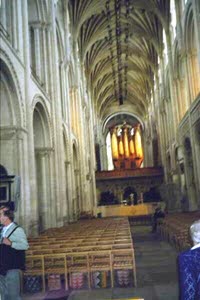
99	110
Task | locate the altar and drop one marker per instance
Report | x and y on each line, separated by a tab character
125	210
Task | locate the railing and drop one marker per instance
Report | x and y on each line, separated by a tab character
140	172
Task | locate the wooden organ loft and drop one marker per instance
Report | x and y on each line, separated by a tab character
126	144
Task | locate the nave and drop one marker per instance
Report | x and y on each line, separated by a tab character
99	106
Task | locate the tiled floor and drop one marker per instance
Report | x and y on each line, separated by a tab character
156	272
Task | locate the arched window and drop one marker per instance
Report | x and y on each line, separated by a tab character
10	20
109	152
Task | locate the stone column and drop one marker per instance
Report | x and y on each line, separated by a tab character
177	92
172	95
187	85
44	189
36	30
190	179
67	95
21	136
3	13
43	202
67	183
31	203
49	62
76	115
196	8
62	89
14	22
56	117
163	137
103	156
44	60
77	194
19	27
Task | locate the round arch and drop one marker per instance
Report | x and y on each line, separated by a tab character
10	81
43	162
41	125
105	122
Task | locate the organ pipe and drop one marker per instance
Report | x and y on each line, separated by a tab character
126	145
138	143
121	146
114	143
132	146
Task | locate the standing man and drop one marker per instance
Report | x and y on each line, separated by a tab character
189	267
12	249
158	214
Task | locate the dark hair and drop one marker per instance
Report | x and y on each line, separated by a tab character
4	206
8	212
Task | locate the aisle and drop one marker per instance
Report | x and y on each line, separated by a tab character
156	265
156	271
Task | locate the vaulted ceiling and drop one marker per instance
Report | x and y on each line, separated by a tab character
119	43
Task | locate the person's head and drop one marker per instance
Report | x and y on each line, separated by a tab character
195	232
158	207
6	215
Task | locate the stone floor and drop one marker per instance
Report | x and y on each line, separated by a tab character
156	272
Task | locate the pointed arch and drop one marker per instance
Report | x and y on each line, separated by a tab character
193	66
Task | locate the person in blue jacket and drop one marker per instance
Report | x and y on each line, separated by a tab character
189	267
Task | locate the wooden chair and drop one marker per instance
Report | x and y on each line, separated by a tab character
78	262
100	261
123	259
56	264
35	267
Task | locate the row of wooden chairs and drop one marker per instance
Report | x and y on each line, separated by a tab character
110	234
90	246
84	262
175	228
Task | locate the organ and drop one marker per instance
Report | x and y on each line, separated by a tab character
127	149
